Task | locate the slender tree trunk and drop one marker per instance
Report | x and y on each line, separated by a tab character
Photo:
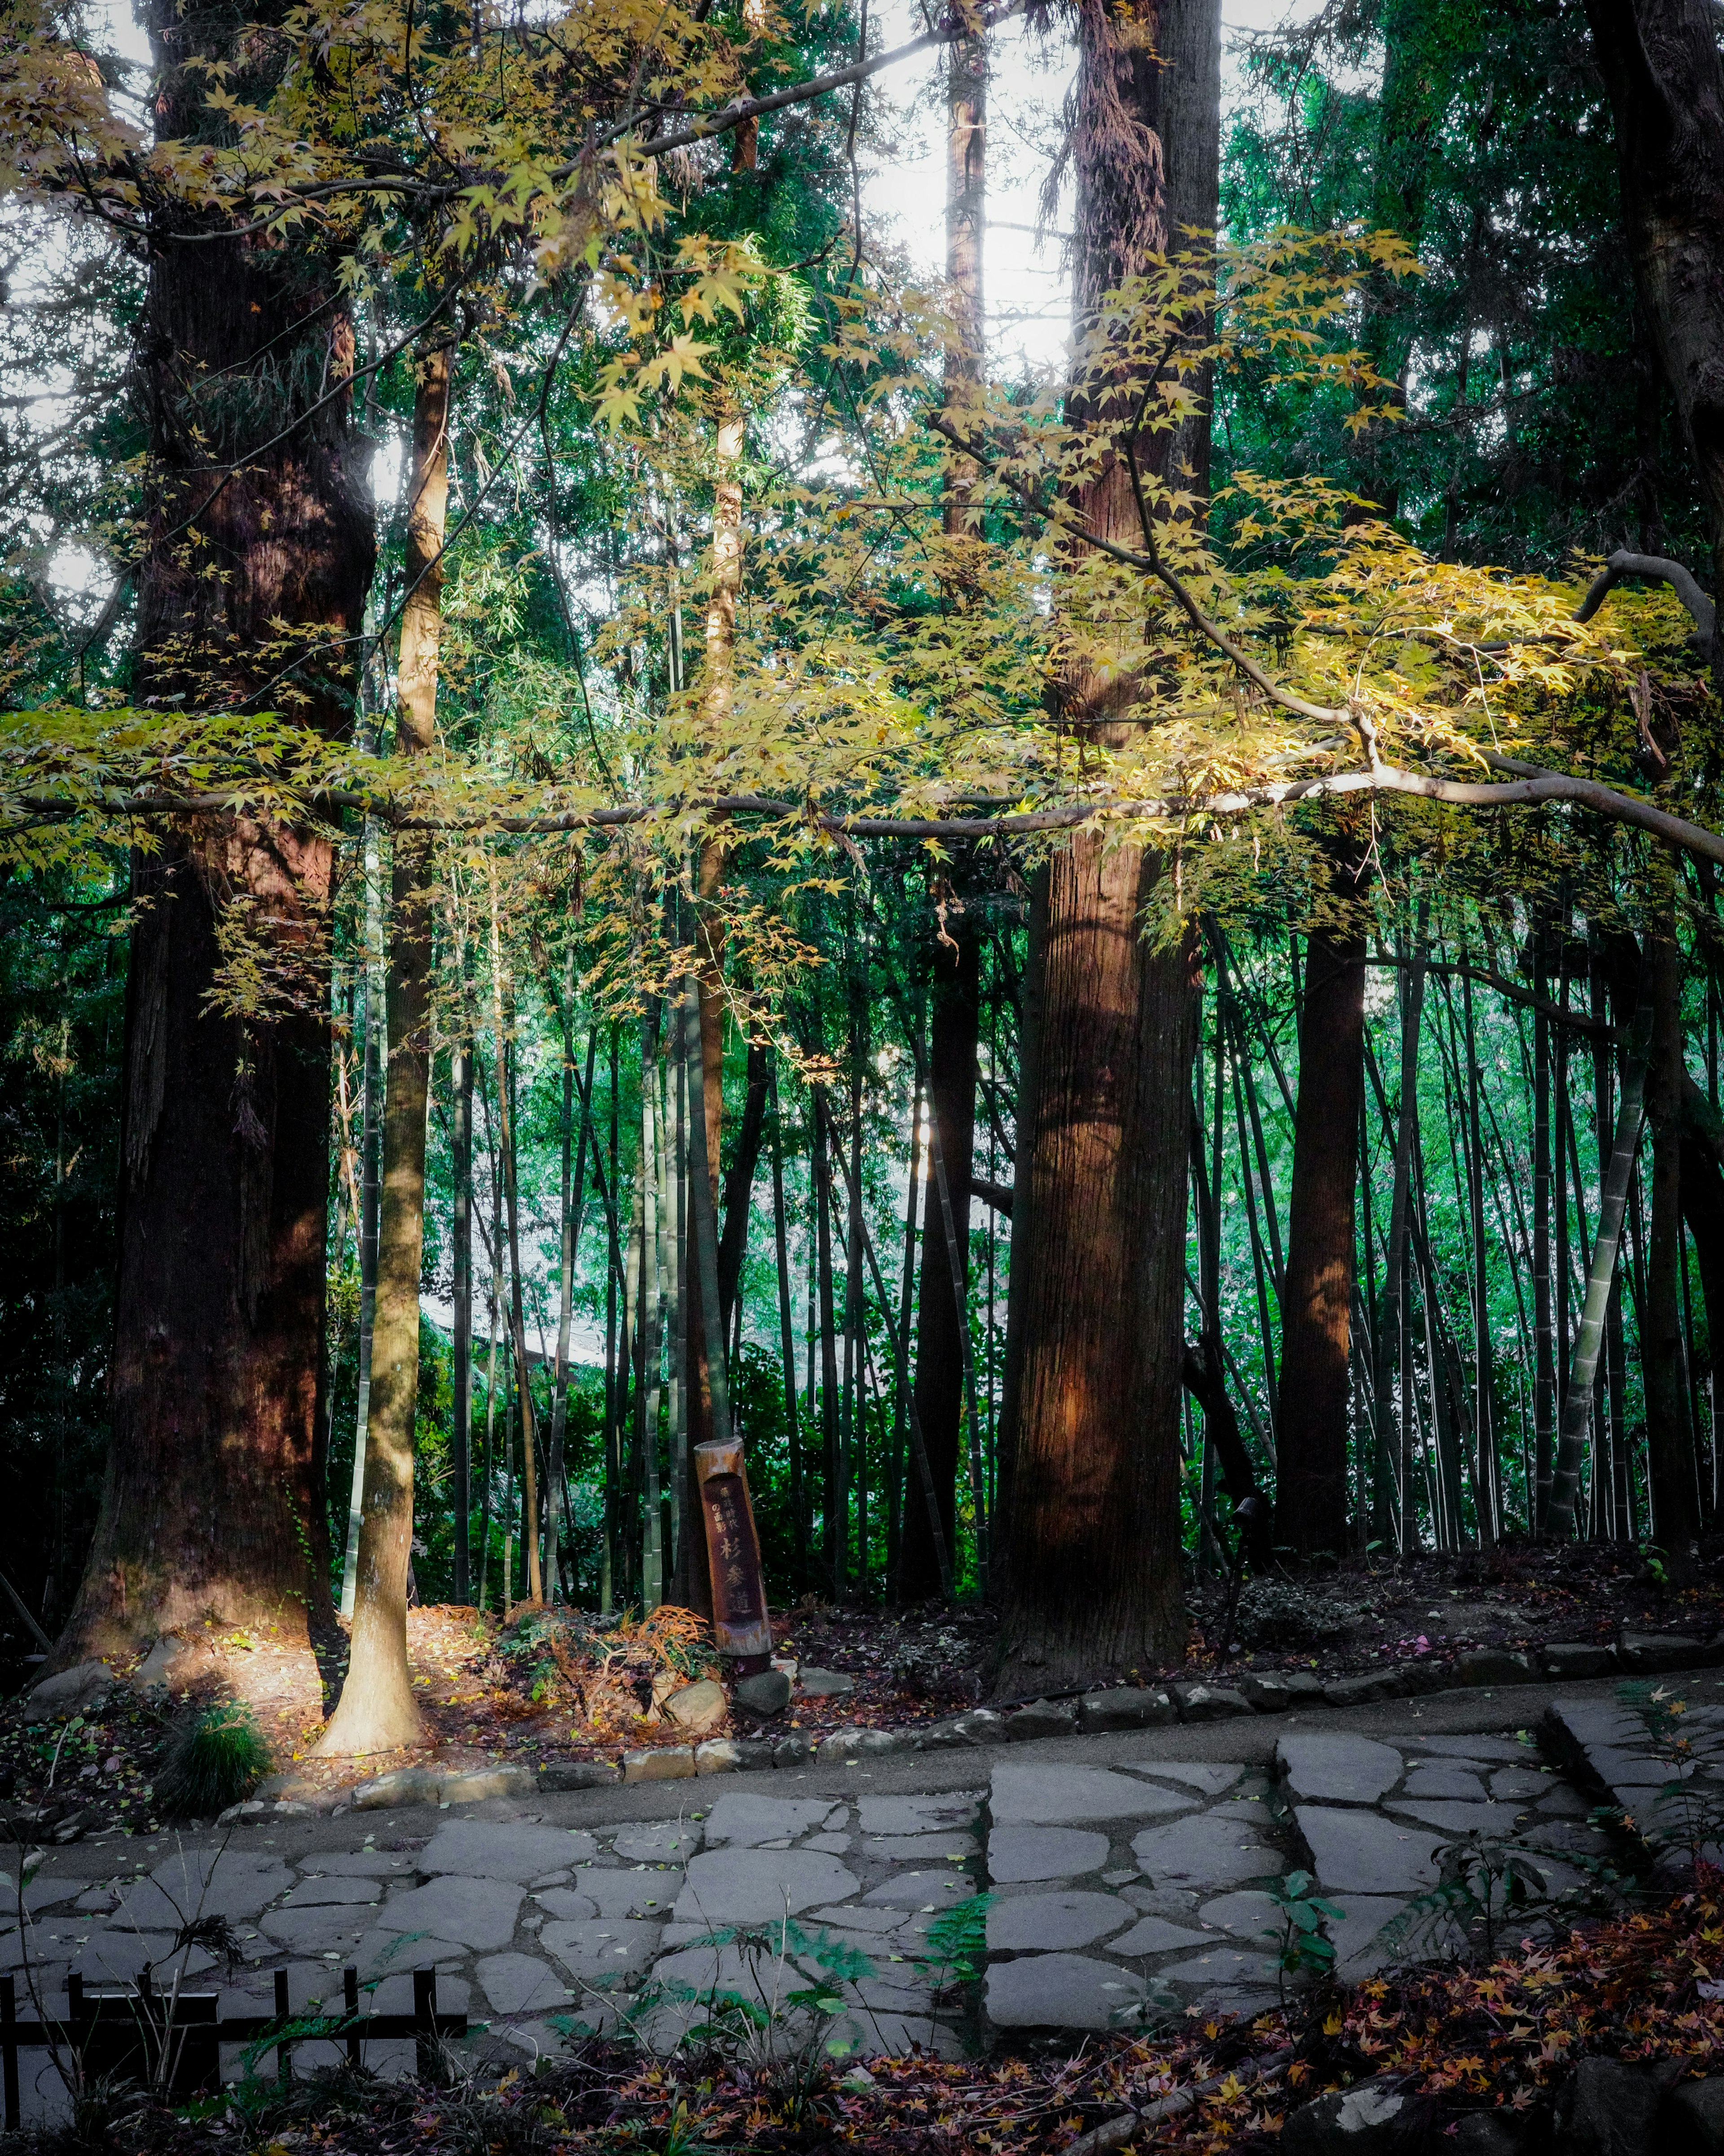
1544	1393
787	1331
574	1185
739	1181
1090	1418
1311	1424
372	1003
900	1372
517	1316
377	1712
1487	1468
461	1239
1601	1275
1399	1513
953	1035
650	1267
833	1535
1675	1520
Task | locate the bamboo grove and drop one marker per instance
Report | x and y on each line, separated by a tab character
613	820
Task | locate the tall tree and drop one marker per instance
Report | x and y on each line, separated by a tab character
954	1032
1095	1347
376	1711
258	552
1662	70
1316	1301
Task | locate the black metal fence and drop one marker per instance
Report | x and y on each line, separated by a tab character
172	2042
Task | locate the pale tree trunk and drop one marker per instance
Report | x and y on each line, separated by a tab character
1601	1274
373	990
506	1127
377	1712
1090	1434
966	223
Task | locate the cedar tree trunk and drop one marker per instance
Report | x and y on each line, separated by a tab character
252	584
1316	1301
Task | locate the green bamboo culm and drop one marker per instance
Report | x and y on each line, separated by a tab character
214	1758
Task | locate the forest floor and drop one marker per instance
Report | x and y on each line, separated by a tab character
557	1684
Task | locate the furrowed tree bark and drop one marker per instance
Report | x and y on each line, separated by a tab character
210	1498
953	1035
1670	1459
377	1712
1316	1303
1089	1428
1661	70
1400	1516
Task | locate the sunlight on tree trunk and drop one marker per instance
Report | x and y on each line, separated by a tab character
377	1712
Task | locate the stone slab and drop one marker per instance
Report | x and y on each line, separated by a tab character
320	1931
1045	1923
1503	1751
1246	1915
1211	1850
1360	1852
920	1890
1336	1769
928	1814
1030	1794
744	1820
479	1913
1207	1780
479	1849
1226	1968
1449	1783
753	1885
907	1848
317	1892
204	1882
661	1841
650	1892
1022	1853
1456	1817
1059	1991
1154	1935
521	1983
604	1951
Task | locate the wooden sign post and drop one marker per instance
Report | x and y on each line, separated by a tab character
740	1625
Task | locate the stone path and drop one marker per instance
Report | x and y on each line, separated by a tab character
1127	1874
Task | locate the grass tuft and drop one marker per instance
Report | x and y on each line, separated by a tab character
214	1758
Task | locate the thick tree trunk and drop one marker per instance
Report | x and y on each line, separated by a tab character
1662	72
1089	1428
953	1034
377	1712
210	1499
1316	1305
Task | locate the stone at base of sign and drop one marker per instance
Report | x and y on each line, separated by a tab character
762	1696
699	1707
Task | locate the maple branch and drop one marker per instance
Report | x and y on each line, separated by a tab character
1535	786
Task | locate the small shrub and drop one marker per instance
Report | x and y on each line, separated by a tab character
214	1758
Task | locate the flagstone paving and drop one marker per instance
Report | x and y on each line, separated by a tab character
1120	1885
